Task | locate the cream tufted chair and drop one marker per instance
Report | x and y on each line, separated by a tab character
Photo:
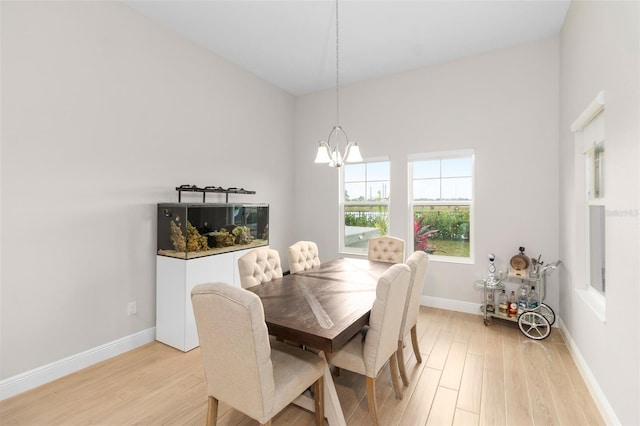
386	249
242	367
259	266
417	262
368	355
303	255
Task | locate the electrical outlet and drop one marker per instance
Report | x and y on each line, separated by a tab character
131	308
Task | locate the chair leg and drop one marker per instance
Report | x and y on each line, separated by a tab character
401	366
414	342
393	368
318	397
336	370
371	399
212	412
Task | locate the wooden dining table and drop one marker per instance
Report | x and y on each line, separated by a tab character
322	308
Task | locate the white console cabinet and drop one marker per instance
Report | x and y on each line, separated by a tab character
175	278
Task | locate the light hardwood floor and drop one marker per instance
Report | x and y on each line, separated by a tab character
470	375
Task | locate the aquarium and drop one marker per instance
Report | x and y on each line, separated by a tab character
191	230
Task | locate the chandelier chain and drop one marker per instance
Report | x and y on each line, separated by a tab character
327	153
337	69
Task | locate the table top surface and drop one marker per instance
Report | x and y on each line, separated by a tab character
322	307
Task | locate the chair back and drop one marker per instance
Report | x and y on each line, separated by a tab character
259	266
386	317
235	349
386	249
303	255
417	262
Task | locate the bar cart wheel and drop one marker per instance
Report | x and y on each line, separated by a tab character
547	312
534	325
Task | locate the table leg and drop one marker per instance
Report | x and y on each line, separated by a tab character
332	409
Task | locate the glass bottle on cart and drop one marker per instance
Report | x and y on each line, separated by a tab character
532	298
513	305
523	293
490	302
502	304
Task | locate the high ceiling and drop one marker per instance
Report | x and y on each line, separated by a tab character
292	44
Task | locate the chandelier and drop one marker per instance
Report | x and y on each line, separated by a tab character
328	154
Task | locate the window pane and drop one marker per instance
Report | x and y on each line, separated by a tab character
377	191
596	247
426	189
598	172
354	191
456	189
378	171
368	186
442	230
456	167
426	169
362	223
354	172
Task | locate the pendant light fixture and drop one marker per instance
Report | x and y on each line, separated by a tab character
326	153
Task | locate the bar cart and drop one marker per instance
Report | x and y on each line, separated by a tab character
534	323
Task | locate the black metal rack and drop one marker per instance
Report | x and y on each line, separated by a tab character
209	189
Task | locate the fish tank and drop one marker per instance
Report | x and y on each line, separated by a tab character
192	230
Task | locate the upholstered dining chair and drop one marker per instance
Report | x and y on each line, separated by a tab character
417	262
258	266
243	368
386	249
368	354
303	255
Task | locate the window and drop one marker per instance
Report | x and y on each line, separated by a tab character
595	213
590	195
441	200
593	153
364	205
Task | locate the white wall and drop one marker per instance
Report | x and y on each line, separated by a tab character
599	51
503	105
104	113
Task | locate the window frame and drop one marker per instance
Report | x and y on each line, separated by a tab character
589	130
342	249
442	155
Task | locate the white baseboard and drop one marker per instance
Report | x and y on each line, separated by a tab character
47	373
599	397
451	305
457	305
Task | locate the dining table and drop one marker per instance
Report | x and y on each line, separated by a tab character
321	309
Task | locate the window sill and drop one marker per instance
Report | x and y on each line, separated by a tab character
451	259
444	259
353	253
595	301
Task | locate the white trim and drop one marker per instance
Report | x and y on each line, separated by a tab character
47	373
594	108
595	301
451	259
606	411
458	306
451	304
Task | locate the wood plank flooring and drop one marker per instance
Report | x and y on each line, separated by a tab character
470	375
